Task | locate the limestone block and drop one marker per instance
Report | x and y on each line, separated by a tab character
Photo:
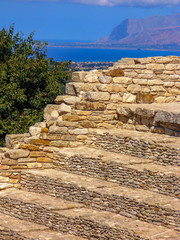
178	98
170	67
54	115
170	99
167	117
116	97
72	100
145	90
118	72
5	185
67	124
40	124
177	84
129	98
70	89
35	131
91	77
110	88
145	98
168	84
79	76
17	153
12	140
63	109
144	112
142	128
59	144
155	82
79	131
140	81
9	162
44	160
157	89
73	118
124	111
34	165
48	112
174	91
75	144
105	79
160	99
58	130
163	60
153	66
111	106
122	80
97	96
4	179
134	88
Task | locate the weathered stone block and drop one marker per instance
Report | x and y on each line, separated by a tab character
134	88
34	131
58	130
153	66
142	128
73	118
144	98
97	96
63	109
129	98
17	153
79	76
122	80
140	81
79	131
44	160
157	89
34	165
105	79
125	111
144	112
59	144
155	82
115	73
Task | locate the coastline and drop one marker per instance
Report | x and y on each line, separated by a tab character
115	48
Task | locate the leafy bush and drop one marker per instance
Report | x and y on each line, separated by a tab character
28	81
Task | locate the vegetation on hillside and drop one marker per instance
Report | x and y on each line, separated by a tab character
28	81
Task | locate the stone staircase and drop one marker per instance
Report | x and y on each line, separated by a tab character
101	166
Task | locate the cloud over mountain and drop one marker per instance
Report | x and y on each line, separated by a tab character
133	3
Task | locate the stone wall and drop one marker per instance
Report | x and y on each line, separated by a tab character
141	80
95	101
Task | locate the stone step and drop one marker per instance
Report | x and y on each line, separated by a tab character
162	149
123	169
12	228
102	195
163	118
61	215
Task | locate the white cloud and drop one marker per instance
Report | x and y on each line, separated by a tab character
134	3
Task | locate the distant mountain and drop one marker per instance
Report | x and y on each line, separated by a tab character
152	31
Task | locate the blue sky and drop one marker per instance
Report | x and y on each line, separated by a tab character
79	20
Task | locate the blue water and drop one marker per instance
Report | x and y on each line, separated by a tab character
101	55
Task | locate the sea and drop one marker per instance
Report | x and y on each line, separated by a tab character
102	55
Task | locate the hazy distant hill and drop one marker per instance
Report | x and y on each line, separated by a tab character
150	31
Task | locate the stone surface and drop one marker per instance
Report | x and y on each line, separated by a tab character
63	109
105	79
97	96
115	73
18	153
129	98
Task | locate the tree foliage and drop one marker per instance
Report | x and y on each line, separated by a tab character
28	81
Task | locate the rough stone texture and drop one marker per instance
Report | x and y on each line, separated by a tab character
98	149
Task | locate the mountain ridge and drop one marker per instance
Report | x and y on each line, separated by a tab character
150	31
